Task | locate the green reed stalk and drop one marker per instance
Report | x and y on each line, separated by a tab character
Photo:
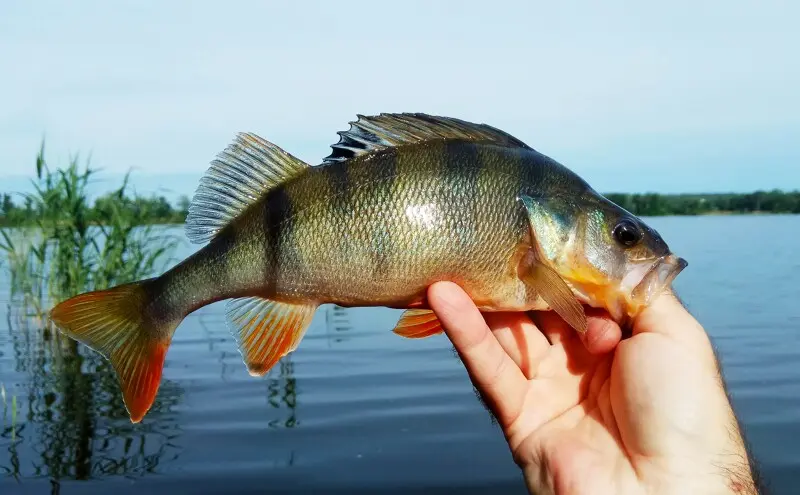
72	247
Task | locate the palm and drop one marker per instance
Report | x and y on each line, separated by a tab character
564	424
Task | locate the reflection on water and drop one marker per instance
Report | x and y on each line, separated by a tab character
69	422
282	393
337	320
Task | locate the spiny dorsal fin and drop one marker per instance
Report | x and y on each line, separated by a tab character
237	178
393	129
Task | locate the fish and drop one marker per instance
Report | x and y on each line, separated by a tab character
403	200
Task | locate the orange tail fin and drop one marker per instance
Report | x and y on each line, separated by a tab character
115	323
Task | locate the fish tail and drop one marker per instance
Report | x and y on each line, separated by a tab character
119	324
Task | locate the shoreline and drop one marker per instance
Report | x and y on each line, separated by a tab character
704	214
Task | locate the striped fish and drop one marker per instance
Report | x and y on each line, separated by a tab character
403	201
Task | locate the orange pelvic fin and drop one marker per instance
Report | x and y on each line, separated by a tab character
266	330
115	324
418	324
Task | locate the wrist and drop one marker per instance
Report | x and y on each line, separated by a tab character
714	459
727	475
708	479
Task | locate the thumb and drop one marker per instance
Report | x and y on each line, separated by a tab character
668	316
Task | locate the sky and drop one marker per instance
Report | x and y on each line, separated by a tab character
633	96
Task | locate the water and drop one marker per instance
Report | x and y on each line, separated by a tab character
357	409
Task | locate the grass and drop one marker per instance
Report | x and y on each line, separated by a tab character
71	248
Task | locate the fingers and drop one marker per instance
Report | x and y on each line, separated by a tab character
492	370
664	315
504	350
667	316
601	336
520	338
603	333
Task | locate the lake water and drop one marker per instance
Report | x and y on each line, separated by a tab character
357	409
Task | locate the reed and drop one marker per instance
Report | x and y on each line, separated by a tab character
63	393
71	246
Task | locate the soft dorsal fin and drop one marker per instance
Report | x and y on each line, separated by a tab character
237	178
393	129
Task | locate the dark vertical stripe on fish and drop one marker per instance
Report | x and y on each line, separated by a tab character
339	181
337	176
213	277
385	174
277	219
461	169
532	169
528	172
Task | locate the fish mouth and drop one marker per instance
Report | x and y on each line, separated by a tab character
659	276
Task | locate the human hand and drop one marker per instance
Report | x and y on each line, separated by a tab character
593	414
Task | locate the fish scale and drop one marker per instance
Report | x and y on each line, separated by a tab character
430	229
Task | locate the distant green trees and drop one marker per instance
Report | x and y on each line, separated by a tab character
652	204
154	209
58	242
158	210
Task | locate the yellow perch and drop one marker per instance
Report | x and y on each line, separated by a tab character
403	201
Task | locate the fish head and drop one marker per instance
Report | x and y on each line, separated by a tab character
609	257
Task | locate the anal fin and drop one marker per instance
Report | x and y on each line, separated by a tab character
266	330
418	324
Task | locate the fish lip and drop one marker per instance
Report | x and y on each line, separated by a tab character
658	277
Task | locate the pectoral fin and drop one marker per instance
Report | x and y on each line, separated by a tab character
538	273
418	324
552	288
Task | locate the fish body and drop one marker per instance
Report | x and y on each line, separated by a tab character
378	230
404	200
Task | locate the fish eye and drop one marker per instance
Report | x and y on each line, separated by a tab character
627	233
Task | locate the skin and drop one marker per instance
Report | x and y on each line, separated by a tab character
599	414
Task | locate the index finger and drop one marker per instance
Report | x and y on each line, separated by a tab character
493	372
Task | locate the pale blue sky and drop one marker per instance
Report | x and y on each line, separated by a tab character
676	96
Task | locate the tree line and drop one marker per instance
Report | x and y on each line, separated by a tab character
651	204
158	210
152	210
